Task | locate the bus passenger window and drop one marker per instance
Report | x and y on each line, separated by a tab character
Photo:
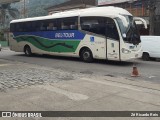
64	27
51	27
70	23
42	28
34	26
12	27
85	27
74	27
20	27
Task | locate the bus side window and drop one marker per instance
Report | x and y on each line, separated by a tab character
24	27
51	26
64	26
12	27
85	27
111	29
20	29
69	23
42	27
28	26
93	24
74	26
34	26
37	25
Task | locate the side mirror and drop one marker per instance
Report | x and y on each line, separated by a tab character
139	20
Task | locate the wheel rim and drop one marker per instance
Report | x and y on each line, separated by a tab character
86	55
27	52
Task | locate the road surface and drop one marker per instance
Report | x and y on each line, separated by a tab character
148	70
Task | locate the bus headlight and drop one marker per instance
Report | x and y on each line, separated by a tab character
125	51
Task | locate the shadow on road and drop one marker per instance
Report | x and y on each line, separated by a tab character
62	58
115	63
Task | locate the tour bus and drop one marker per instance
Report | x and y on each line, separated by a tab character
108	33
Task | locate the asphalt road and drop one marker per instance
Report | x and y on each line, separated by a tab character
148	70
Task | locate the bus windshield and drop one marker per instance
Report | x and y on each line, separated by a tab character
130	32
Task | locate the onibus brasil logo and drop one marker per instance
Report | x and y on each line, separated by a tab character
21	114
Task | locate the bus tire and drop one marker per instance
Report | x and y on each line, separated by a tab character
86	55
27	51
145	57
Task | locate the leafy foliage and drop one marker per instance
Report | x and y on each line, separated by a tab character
36	8
7	13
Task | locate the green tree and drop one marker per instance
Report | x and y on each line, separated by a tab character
7	13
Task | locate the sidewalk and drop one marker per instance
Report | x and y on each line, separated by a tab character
5	48
59	90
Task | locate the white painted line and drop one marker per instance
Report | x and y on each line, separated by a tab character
70	95
152	77
112	84
1	65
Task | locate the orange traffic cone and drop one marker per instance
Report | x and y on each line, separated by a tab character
135	72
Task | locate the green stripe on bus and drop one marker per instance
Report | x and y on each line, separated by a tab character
50	45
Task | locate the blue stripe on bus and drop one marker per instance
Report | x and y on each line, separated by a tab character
63	35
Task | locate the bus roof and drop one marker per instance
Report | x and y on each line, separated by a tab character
94	11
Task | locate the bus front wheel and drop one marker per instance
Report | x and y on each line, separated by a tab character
86	55
27	51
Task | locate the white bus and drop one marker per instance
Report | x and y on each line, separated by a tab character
108	33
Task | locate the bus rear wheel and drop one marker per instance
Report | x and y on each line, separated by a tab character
86	55
27	51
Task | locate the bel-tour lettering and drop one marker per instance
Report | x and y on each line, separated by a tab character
64	35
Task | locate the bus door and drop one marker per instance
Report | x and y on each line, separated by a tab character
113	42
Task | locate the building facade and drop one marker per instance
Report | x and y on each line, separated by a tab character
71	4
136	7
